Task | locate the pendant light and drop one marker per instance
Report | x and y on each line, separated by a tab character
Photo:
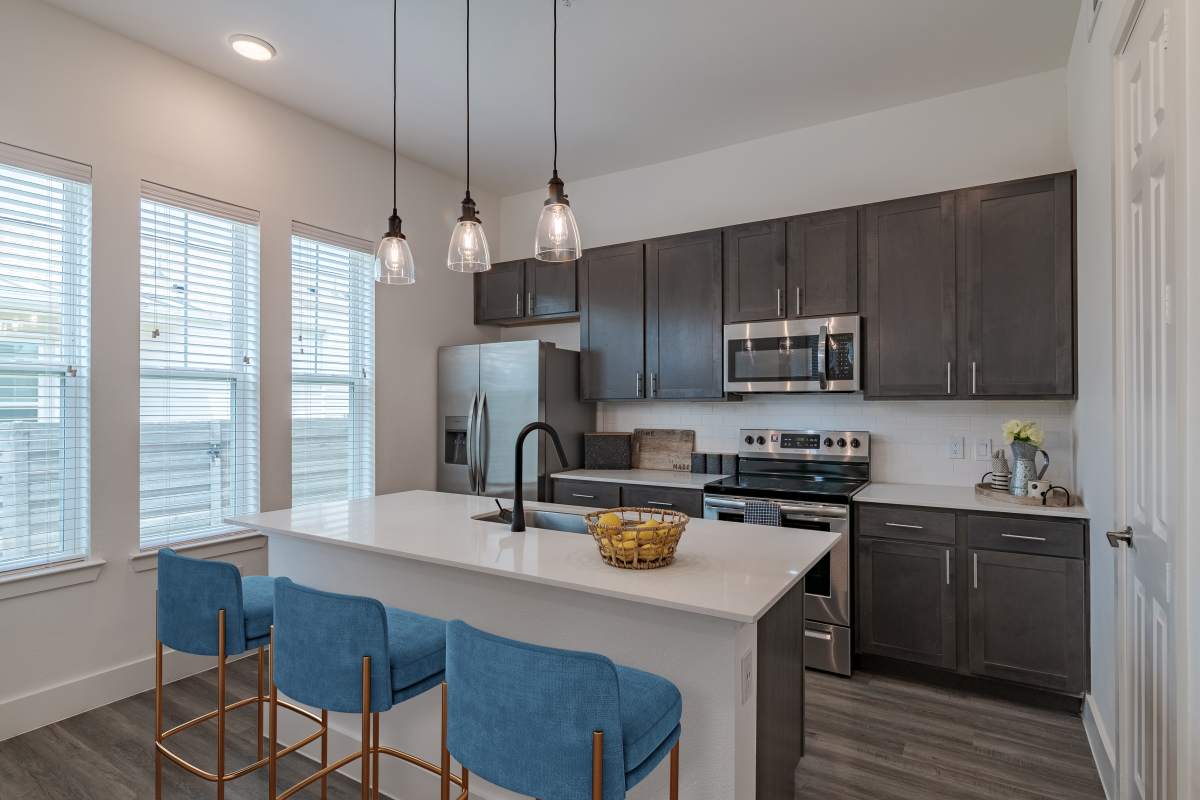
468	243
557	237
393	258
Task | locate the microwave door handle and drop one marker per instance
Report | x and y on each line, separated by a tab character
822	366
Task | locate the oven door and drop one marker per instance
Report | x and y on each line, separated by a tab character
827	585
801	355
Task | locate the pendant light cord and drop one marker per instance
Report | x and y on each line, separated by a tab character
468	98
555	105
395	68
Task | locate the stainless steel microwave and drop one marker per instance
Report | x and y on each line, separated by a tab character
795	355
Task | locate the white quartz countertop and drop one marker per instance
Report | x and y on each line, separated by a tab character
645	477
729	570
956	497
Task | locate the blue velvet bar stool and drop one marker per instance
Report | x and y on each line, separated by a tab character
341	652
553	723
207	608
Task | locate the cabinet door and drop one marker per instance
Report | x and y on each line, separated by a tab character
822	264
612	325
1017	301
906	607
687	501
1028	620
683	317
500	292
549	288
909	297
755	271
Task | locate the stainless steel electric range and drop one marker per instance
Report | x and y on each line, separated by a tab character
810	476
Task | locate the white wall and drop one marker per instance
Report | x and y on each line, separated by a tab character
1008	130
74	90
1089	82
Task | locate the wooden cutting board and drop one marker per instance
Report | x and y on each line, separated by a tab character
663	448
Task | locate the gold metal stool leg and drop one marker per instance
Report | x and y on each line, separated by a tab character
366	728
675	771
445	752
324	753
375	755
260	703
158	707
221	704
272	765
597	765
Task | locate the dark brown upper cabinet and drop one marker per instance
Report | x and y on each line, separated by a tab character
909	297
683	317
550	289
1016	289
500	293
612	323
756	271
526	290
822	264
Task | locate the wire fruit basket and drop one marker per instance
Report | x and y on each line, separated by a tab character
637	538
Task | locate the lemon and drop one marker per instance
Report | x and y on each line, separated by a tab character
648	532
650	551
627	545
610	520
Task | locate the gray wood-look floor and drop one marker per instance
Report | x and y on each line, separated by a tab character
869	738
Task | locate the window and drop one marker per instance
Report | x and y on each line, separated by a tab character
199	365
333	366
45	237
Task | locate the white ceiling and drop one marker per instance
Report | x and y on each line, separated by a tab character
640	81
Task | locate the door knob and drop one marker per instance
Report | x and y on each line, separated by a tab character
1116	538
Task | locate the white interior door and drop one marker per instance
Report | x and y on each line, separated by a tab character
1149	75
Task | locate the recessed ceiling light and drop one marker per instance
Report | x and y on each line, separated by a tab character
252	47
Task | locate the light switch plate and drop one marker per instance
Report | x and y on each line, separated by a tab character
954	447
983	449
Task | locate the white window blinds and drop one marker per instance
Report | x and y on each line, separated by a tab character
199	365
333	366
45	239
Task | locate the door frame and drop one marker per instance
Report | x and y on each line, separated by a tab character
1185	601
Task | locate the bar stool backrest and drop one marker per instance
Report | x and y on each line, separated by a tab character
191	592
522	716
320	641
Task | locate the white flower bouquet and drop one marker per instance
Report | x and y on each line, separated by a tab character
1017	430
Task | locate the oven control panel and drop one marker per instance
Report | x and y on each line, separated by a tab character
768	442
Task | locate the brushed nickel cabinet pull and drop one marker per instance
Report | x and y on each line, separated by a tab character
797	301
948	378
778	302
529	303
659	503
947	567
975	570
1026	538
637	386
518	304
904	525
584	496
974	381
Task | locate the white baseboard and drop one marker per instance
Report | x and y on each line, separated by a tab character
54	703
1103	752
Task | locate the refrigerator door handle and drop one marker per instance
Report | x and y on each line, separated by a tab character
471	460
481	443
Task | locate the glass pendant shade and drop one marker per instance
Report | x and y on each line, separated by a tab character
557	234
468	248
393	258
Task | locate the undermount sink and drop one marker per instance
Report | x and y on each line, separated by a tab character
536	518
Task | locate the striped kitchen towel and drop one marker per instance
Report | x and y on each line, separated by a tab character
762	512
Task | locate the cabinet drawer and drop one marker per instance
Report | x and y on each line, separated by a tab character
1021	535
587	493
903	522
689	501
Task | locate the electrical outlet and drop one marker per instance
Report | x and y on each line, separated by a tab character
954	447
983	449
747	676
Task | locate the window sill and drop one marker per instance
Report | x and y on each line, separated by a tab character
240	542
58	576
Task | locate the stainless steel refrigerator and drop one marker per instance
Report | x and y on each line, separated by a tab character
486	394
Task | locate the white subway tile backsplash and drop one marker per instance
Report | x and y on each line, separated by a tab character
908	438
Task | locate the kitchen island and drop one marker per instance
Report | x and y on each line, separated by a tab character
724	622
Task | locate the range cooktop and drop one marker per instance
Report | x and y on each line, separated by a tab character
813	466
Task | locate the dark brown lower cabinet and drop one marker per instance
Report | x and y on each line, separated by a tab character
1027	619
605	494
906	601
